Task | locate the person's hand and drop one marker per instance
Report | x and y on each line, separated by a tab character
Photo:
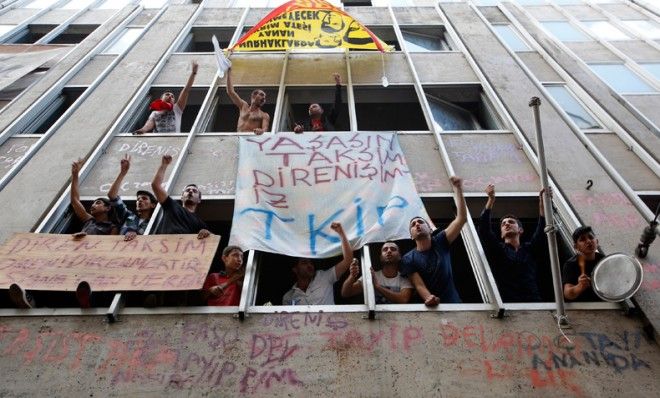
336	226
130	235
203	233
490	191
167	159
584	282
137	132
79	235
337	78
542	191
75	167
125	164
298	129
195	66
456	182
216	290
258	131
432	301
354	269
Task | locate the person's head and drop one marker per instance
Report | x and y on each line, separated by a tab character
99	207
585	241
389	253
145	201
258	97
510	226
191	194
315	110
168	96
232	257
418	228
303	268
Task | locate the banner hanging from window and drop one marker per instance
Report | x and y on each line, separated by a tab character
309	24
291	187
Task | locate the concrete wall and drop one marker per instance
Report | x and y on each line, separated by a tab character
329	354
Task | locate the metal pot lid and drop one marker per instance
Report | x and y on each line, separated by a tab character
617	277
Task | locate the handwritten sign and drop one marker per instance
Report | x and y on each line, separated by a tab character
291	187
107	263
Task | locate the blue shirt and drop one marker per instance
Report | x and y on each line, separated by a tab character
434	266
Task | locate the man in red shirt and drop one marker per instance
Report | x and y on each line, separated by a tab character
224	288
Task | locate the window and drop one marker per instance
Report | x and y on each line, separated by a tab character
393	3
224	114
620	78
564	31
510	37
76	4
648	29
388	109
40	123
6	28
460	108
652	68
605	30
73	34
40	4
13	90
531	2
153	3
298	99
199	39
425	39
124	41
113	4
30	34
572	107
258	3
386	34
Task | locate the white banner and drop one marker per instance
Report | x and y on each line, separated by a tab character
291	187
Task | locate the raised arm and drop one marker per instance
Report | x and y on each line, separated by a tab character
78	207
334	113
454	228
485	229
157	182
346	250
124	165
538	238
352	286
238	101
429	299
183	95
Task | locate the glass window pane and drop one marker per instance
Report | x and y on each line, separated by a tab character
572	107
645	28
153	3
605	30
124	41
40	4
420	42
508	35
621	79
76	4
113	4
532	2
567	2
653	69
6	28
450	117
486	2
564	31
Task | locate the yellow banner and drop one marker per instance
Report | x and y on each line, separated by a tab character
311	24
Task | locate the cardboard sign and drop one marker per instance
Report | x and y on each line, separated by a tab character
291	187
108	263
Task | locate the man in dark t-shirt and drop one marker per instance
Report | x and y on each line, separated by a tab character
318	120
577	270
178	218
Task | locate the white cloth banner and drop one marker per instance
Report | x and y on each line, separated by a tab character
291	187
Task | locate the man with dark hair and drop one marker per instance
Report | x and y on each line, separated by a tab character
390	287
514	263
224	288
251	117
318	120
428	265
576	271
314	287
178	218
167	112
132	224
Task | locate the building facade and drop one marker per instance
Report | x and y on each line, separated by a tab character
76	79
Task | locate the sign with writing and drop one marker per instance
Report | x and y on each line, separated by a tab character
309	24
107	263
291	187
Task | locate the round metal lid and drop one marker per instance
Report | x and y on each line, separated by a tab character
617	277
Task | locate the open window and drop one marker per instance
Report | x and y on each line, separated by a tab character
16	88
386	34
52	111
295	109
424	39
199	39
140	115
224	114
73	34
30	34
461	108
394	108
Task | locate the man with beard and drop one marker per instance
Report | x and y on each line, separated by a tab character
390	287
251	118
132	223
318	120
576	271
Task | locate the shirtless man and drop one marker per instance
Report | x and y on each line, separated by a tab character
251	117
